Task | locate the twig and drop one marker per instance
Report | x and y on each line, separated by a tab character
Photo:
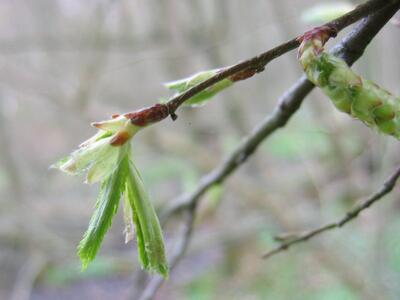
350	49
386	188
258	62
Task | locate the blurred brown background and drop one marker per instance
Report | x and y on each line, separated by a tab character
66	63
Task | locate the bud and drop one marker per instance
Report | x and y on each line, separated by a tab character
350	93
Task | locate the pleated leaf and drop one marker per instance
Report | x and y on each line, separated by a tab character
150	241
106	208
201	98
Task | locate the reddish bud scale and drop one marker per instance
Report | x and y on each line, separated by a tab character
120	138
321	33
148	115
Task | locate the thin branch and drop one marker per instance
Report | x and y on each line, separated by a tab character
246	69
386	188
350	49
258	63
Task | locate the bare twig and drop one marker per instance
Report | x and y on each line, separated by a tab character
350	49
386	188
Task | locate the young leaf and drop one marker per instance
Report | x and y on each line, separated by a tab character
106	207
105	157
99	156
201	98
148	231
102	168
184	84
87	154
128	221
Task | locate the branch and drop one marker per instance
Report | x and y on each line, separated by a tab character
258	63
350	49
386	188
249	67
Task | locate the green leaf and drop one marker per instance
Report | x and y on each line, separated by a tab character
148	230
184	84
106	207
61	162
88	153
129	230
179	85
201	98
206	95
101	134
102	167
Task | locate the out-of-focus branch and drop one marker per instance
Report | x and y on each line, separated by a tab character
155	283
350	49
287	106
26	277
386	188
8	160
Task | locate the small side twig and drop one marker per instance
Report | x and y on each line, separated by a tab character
386	188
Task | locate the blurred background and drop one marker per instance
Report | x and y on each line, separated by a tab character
66	63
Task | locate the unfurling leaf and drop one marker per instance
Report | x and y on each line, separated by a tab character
105	158
106	207
148	231
128	221
97	156
202	97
